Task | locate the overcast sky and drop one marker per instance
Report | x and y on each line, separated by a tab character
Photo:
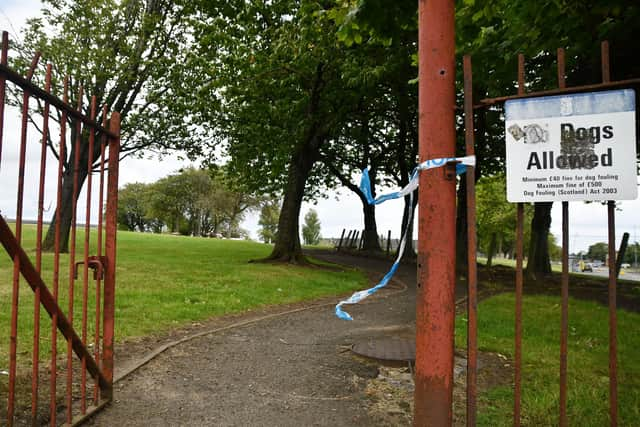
341	209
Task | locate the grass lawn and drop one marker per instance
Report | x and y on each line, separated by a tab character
167	281
588	381
555	267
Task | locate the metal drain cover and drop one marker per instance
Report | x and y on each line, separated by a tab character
386	349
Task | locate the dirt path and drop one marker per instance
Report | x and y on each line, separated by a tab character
290	370
291	365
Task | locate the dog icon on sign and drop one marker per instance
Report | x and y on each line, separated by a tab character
530	134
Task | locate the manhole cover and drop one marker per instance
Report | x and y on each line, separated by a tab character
386	349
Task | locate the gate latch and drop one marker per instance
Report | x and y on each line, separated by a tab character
96	263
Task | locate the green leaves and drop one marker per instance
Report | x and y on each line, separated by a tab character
311	228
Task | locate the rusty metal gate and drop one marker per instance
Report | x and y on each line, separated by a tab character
41	380
472	348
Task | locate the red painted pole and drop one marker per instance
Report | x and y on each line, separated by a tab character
435	306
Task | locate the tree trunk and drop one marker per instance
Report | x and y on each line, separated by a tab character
287	246
409	252
539	264
492	249
66	210
371	242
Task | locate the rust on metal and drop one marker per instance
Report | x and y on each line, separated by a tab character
613	319
435	307
613	399
472	269
11	242
390	348
564	317
110	253
13	343
56	262
517	398
72	252
36	302
103	261
13	248
26	85
613	329
4	51
85	276
484	103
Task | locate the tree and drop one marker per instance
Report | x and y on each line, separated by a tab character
387	30
269	221
132	209
496	218
200	202
494	34
124	53
311	228
276	96
632	254
598	251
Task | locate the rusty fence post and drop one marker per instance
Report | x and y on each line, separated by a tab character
110	253
472	275
435	307
613	316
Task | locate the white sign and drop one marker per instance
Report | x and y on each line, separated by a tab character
572	147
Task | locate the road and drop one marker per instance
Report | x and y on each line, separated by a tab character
633	275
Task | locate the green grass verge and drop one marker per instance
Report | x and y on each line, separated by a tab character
167	281
588	380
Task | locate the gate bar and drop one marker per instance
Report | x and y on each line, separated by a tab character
11	245
13	345
26	85
110	252
573	89
36	302
564	317
72	254
472	269
3	85
85	275
56	257
613	321
519	278
96	342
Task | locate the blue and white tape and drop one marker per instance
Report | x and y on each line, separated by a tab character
365	187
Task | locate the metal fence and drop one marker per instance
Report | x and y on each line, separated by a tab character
472	350
50	377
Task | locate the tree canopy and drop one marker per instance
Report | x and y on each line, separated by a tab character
125	54
192	202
